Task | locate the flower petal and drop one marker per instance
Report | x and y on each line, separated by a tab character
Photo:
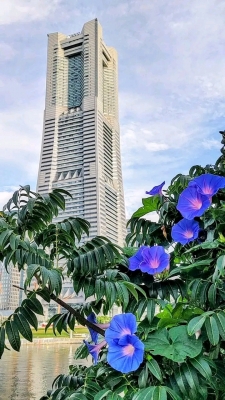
95	349
120	325
94	334
156	189
185	231
126	358
191	203
155	260
208	184
136	259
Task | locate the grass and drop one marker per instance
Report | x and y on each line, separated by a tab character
40	333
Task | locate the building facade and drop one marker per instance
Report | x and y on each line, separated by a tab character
81	139
10	296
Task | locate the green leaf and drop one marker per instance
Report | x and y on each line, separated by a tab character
44	276
31	270
2	341
75	396
220	319
81	352
4	237
132	287
154	368
202	367
30	317
212	292
173	395
191	377
220	268
174	344
212	330
52	319
102	394
149	204
122	293
91	388
144	394
150	310
195	324
35	305
159	393
143	377
187	268
13	335
23	326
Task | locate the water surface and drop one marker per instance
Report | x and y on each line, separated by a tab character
28	375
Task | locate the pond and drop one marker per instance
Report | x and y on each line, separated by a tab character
28	375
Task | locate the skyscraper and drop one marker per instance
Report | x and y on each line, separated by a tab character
81	141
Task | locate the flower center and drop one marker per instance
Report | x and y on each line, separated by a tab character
126	331
188	234
154	263
207	190
196	203
128	350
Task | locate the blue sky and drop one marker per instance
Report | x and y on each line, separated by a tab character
171	84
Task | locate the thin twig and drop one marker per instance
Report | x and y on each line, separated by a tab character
76	314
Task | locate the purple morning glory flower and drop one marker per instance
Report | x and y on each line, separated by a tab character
155	260
208	184
120	325
94	334
126	351
95	349
191	203
156	189
127	354
136	259
185	231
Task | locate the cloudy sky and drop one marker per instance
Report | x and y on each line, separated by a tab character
171	84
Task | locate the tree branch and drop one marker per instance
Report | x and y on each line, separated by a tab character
76	314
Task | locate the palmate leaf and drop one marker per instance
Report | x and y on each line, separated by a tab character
174	344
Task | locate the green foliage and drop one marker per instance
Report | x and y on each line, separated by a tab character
180	312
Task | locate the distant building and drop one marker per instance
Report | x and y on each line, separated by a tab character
81	139
10	296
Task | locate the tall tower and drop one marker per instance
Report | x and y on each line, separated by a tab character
81	140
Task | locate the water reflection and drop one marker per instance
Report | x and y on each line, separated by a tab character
27	375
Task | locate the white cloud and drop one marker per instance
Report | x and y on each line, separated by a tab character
22	140
211	143
7	52
4	198
26	10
